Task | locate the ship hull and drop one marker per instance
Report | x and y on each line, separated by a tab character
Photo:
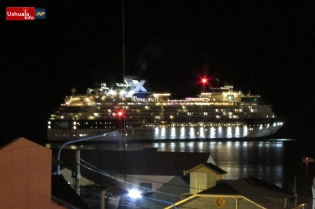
166	133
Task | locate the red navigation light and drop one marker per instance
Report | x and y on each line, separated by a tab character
204	80
120	113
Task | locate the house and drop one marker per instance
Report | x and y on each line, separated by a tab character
202	176
147	170
245	193
25	175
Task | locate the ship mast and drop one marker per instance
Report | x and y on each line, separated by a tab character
205	71
123	79
123	39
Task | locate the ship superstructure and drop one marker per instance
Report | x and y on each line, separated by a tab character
140	114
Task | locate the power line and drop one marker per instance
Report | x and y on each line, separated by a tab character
115	177
99	171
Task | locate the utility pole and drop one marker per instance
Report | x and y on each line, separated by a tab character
78	173
103	191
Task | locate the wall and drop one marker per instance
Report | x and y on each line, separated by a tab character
200	181
25	176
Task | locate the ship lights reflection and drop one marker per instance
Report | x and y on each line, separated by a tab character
236	144
182	145
212	144
200	146
229	144
239	159
173	147
191	147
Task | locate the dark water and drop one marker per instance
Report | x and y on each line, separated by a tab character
278	161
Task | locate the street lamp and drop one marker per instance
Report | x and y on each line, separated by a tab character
71	142
136	194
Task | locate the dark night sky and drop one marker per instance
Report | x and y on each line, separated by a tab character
266	47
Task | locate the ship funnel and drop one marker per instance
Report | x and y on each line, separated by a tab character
73	90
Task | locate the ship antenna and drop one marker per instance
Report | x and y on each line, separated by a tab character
205	71
123	53
123	37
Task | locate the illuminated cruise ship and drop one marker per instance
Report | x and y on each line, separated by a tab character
136	113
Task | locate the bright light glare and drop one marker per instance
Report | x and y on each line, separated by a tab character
111	91
120	113
134	194
122	92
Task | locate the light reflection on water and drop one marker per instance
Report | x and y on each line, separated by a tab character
238	158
